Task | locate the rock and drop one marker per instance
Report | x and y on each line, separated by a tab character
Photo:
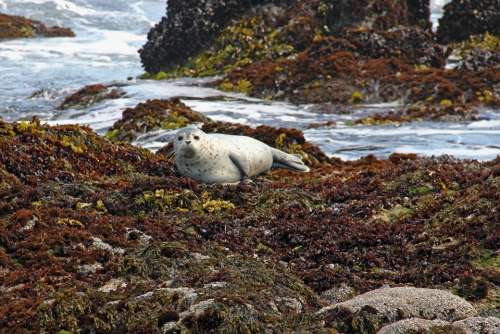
198	309
97	243
170	328
379	14
293	25
90	268
113	285
20	27
135	234
90	95
419	326
338	294
479	325
152	115
368	312
188	27
289	305
414	45
464	18
474	325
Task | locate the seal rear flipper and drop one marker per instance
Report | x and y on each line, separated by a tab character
289	161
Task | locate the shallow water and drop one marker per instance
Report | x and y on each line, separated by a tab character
105	50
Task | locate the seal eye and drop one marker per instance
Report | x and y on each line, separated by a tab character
197	137
180	138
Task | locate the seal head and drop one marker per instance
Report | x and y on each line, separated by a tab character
189	143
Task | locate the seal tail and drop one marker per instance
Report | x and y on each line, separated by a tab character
290	161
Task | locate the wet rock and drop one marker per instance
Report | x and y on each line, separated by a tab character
378	14
20	27
90	95
414	45
369	312
230	34
464	18
195	21
151	115
478	53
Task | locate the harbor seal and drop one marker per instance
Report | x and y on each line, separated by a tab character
219	158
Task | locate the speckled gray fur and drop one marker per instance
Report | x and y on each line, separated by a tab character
219	158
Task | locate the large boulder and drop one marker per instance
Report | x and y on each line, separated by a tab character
474	325
463	18
188	27
191	27
378	14
368	312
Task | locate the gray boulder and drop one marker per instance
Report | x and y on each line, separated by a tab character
420	326
369	312
479	325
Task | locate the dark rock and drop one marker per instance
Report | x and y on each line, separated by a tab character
152	115
191	27
20	27
464	18
90	95
378	15
188	27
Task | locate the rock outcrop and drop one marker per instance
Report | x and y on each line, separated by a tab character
192	27
89	95
20	27
464	18
473	325
369	312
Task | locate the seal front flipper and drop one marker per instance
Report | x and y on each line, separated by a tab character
242	163
284	160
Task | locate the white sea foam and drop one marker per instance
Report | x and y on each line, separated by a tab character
62	5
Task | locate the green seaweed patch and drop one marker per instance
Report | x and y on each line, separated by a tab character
485	42
28	127
488	259
242	86
184	201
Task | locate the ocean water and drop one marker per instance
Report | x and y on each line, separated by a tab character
109	33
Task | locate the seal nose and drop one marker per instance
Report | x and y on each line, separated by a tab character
188	141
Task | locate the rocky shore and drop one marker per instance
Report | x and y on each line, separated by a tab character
339	52
100	236
104	237
20	27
